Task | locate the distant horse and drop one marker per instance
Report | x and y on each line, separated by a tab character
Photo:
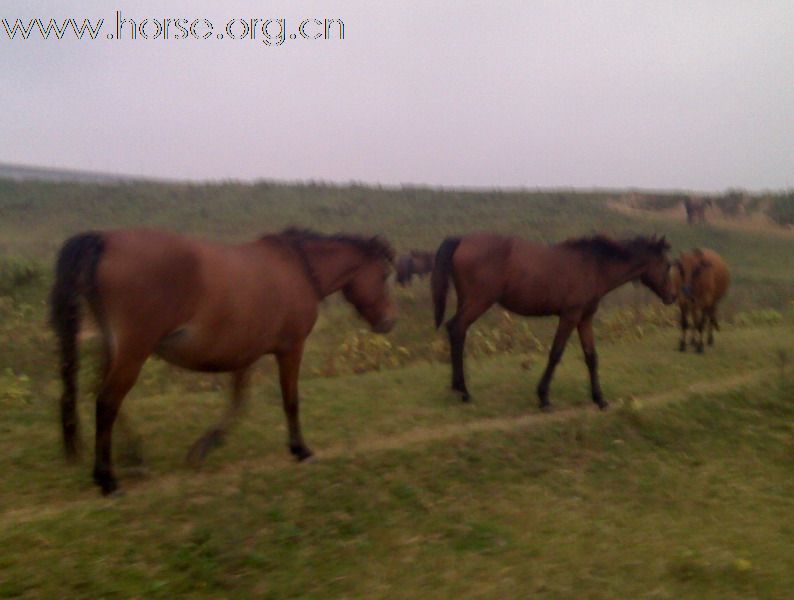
206	307
696	209
700	280
567	279
416	262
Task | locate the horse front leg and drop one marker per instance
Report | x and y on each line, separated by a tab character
712	325
288	368
684	325
214	435
564	329
587	339
700	323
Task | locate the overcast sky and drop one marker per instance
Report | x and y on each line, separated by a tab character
688	94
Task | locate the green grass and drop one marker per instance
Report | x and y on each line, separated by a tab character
686	496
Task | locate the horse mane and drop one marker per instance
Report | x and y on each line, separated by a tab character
373	247
604	247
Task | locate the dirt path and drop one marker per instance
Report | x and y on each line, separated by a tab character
413	438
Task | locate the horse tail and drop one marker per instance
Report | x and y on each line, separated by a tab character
75	277
439	280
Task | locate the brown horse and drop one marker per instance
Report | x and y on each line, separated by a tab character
696	209
700	279
206	307
416	262
567	279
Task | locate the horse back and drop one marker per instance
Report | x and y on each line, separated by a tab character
149	277
192	298
713	280
523	276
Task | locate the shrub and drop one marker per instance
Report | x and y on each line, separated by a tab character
661	201
781	209
732	203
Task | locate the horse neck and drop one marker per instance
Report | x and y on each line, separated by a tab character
333	264
618	272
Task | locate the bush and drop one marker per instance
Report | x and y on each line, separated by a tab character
781	209
634	322
732	203
661	201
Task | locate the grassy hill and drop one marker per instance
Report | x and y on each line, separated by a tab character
683	489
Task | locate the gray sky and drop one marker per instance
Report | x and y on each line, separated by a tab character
670	94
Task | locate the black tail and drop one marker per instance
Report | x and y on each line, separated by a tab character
75	276
439	280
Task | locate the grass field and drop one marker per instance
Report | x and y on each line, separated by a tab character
684	489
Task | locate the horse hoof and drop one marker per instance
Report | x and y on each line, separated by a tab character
682	347
302	453
107	483
465	397
603	405
545	407
198	451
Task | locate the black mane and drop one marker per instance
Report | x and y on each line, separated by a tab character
604	247
375	247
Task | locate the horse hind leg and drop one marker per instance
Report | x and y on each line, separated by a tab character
215	435
457	340
120	378
457	327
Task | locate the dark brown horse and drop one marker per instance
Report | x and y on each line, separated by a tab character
531	279
417	262
696	209
206	307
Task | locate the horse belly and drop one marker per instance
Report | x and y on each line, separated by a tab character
529	300
200	350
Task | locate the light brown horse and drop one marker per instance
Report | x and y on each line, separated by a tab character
531	279
417	262
206	307
700	280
